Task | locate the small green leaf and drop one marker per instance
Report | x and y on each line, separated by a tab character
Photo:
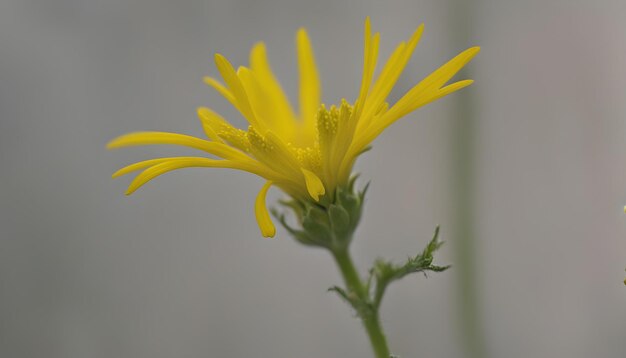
341	292
386	272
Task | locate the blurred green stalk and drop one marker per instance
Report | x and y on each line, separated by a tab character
463	171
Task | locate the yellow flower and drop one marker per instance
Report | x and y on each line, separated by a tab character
306	154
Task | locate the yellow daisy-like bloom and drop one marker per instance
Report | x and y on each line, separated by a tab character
306	154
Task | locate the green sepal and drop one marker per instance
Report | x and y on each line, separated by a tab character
295	205
318	229
350	202
329	223
352	181
299	235
339	218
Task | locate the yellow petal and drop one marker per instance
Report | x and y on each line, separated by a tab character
444	91
151	138
430	87
186	162
212	123
278	102
390	74
270	150
426	91
388	119
375	96
257	95
165	167
367	43
236	88
314	184
262	214
139	165
370	56
222	90
345	135
310	90
347	129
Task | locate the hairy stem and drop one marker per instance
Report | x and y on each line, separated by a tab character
369	314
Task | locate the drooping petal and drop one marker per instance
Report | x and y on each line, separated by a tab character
139	165
310	90
196	162
248	166
314	184
174	164
262	214
156	138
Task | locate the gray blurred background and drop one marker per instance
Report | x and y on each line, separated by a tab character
525	171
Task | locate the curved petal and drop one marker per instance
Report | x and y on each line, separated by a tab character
157	138
180	163
140	165
314	184
262	214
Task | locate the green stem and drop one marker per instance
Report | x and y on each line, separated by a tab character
370	316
